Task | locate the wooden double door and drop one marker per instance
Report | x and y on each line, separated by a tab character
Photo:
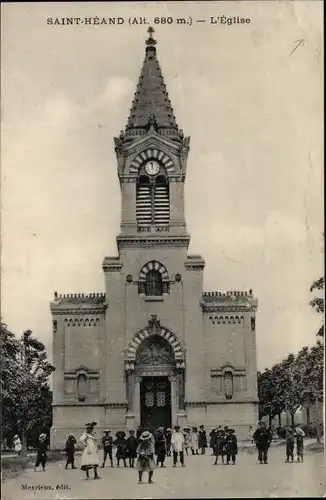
155	402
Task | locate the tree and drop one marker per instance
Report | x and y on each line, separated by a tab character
269	402
26	394
317	303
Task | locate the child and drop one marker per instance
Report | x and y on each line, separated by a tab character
107	441
132	445
121	444
17	444
168	436
299	434
231	446
219	446
187	438
160	447
70	450
289	445
145	460
177	442
194	441
90	458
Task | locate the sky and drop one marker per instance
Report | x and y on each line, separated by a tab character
254	188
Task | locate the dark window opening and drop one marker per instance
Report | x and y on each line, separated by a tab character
153	285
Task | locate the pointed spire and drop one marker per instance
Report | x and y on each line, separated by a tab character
151	106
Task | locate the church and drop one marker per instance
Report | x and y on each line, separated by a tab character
154	349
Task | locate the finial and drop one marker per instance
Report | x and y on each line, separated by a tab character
150	42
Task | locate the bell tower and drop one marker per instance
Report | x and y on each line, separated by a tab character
152	160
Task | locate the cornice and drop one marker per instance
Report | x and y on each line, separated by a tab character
153	241
78	311
222	402
111	264
211	308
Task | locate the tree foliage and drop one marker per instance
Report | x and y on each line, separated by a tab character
26	396
317	303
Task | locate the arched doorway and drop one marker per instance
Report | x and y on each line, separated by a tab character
155	365
155	377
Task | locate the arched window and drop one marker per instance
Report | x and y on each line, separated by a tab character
153	283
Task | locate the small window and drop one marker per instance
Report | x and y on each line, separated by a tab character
153	285
82	387
228	384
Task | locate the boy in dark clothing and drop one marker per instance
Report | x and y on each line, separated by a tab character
160	447
202	440
231	446
70	450
41	456
132	445
107	441
289	446
219	446
262	438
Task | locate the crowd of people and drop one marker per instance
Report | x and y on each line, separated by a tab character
145	450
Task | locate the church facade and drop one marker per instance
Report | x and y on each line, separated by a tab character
154	349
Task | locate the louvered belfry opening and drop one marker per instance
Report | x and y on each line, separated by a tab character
152	201
161	201
144	202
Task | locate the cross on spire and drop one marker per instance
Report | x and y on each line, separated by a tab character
150	41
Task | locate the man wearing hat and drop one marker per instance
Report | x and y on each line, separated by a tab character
262	438
90	458
107	441
70	450
219	446
41	456
202	439
231	446
145	460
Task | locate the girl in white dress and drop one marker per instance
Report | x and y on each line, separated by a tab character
90	458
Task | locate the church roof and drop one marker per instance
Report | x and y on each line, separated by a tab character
151	104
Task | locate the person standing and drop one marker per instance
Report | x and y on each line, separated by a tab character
231	446
212	439
219	447
70	451
187	438
41	456
250	434
132	445
202	440
168	436
194	441
289	445
145	460
262	439
107	441
299	435
160	447
17	444
177	443
121	444
90	458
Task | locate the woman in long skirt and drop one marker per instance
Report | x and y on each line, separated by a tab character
90	458
145	460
